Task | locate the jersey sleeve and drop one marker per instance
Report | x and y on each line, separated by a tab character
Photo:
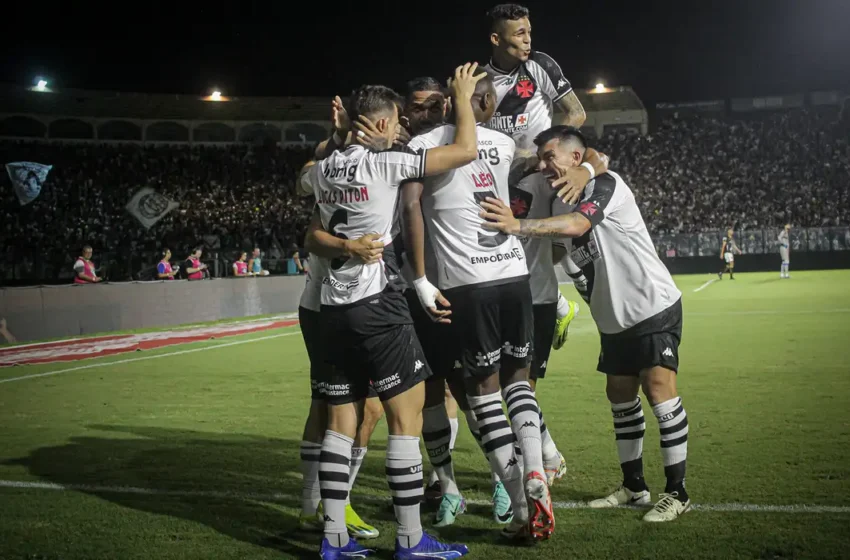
597	199
395	167
311	177
160	268
550	77
79	266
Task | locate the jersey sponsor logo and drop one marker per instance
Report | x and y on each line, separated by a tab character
331	390
491	155
387	383
346	170
516	253
586	254
509	123
525	87
337	285
344	196
488	359
516	351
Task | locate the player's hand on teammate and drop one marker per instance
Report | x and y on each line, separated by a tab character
497	216
429	297
463	84
402	136
368	248
571	183
370	137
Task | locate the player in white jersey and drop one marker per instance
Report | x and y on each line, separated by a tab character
784	251
366	317
637	308
529	84
321	381
484	277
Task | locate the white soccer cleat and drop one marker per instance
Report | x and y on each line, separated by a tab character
668	508
557	471
622	496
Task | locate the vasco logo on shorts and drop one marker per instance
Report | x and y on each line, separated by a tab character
488	359
516	351
486	259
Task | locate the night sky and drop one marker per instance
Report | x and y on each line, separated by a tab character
668	51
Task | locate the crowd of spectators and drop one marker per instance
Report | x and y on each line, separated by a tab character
692	174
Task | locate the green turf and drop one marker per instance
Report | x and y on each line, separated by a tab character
764	377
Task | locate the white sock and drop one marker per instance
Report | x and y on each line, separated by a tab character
310	492
525	422
358	454
334	466
563	306
551	457
404	475
473	428
437	433
454	424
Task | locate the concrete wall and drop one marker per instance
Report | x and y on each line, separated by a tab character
39	312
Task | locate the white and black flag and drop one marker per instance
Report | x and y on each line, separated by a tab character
27	178
149	207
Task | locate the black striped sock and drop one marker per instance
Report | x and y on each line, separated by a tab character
334	465
472	422
673	426
404	475
629	428
437	435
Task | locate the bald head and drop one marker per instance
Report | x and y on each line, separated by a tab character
485	84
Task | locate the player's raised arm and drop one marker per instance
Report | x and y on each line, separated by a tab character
465	147
368	248
305	181
573	111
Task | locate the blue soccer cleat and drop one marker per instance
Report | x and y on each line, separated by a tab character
429	547
351	550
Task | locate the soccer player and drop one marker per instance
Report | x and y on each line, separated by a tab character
369	250
727	254
637	309
484	278
529	84
784	251
367	320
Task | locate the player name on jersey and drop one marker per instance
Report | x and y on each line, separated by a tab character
345	196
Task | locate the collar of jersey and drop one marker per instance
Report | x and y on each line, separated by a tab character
500	71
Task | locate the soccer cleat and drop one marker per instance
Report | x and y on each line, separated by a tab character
556	473
351	550
503	513
451	506
516	531
357	527
433	493
541	519
562	326
668	508
622	496
429	547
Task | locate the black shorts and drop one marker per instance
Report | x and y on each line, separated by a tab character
321	371
493	325
373	343
436	339
652	342
545	317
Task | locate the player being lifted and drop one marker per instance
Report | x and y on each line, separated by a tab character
529	84
485	279
366	319
784	251
727	254
637	309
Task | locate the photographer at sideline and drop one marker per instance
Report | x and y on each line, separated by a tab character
84	269
195	269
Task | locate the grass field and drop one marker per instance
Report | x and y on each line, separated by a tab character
196	456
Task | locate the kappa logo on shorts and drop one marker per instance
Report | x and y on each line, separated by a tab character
668	352
417	366
543	365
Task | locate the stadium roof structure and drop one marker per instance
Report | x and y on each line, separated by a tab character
111	104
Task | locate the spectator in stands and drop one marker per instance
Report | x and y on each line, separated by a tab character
255	265
84	268
240	267
195	269
4	332
164	271
294	265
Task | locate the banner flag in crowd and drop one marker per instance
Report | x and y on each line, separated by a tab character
149	207
27	178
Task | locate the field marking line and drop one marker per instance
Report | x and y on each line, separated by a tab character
142	358
273	497
706	285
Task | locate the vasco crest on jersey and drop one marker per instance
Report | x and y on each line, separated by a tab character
524	88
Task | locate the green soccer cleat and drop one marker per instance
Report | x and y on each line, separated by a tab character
502	511
358	528
562	326
451	506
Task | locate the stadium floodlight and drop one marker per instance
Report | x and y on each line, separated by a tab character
216	96
41	85
600	87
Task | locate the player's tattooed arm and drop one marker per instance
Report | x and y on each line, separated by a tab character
499	217
573	111
368	248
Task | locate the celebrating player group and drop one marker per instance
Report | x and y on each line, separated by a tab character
440	217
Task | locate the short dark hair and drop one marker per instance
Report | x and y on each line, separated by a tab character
86	248
563	133
504	12
371	100
424	83
165	251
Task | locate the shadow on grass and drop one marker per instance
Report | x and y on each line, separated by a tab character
233	483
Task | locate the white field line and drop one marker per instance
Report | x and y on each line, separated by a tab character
142	358
706	285
276	497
